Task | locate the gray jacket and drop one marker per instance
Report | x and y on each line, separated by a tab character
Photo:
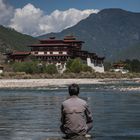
76	116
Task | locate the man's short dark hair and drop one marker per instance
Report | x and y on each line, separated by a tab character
73	89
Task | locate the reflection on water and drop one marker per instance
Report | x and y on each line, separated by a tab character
34	114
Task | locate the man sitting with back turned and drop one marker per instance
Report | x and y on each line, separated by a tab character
75	115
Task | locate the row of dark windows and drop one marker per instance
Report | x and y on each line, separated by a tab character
49	52
53	58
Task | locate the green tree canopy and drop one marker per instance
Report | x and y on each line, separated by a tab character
28	67
51	69
132	65
76	66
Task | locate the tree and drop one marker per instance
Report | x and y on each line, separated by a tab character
107	66
86	68
76	66
68	64
28	67
135	65
51	69
128	65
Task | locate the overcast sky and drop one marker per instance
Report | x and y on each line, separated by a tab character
36	17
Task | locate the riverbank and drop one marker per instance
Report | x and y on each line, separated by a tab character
22	83
31	83
81	75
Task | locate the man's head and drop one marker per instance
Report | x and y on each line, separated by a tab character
73	89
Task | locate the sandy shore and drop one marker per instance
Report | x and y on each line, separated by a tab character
27	83
22	83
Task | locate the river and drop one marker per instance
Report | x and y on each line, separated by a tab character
34	114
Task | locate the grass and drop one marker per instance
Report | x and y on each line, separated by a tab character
23	75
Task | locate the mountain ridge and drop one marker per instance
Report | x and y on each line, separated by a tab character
108	33
11	40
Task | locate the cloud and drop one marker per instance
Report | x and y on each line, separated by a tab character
6	12
59	20
27	19
31	20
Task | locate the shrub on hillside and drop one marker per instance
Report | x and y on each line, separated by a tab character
28	67
51	69
86	68
77	66
68	64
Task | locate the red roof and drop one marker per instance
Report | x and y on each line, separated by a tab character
69	37
77	41
119	65
50	40
21	53
46	45
1	67
65	40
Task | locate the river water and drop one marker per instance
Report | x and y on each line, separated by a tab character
34	114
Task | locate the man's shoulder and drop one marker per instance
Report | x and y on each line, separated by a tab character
82	100
77	99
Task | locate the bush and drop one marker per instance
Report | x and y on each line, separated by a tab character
86	68
77	66
132	65
28	67
51	69
69	63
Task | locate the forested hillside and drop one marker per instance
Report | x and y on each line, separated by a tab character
12	40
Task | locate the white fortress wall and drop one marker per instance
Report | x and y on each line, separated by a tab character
96	67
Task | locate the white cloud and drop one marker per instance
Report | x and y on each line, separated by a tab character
59	20
33	21
6	12
26	20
